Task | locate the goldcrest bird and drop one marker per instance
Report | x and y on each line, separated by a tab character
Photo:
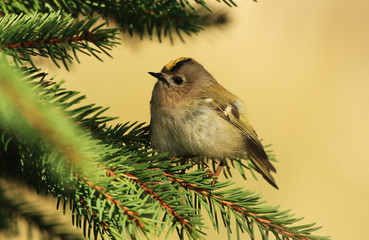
193	115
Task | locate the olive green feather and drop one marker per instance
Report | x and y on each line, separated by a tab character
230	111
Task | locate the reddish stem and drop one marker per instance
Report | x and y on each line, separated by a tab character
148	190
102	192
30	43
242	210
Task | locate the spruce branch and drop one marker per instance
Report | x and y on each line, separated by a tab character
53	36
162	202
101	190
246	204
189	227
160	18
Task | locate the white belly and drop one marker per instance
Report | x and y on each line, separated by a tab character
199	133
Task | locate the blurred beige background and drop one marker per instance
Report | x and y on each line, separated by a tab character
302	68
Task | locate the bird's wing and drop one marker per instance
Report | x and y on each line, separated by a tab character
229	108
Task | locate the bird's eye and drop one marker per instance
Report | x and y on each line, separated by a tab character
178	80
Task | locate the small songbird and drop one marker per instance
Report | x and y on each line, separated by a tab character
193	115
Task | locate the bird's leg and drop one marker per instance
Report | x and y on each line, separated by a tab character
173	158
218	171
183	161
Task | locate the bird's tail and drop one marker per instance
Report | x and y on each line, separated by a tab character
264	166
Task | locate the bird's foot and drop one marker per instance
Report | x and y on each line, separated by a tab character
217	172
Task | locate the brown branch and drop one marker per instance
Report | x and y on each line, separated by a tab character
148	190
242	210
132	215
54	41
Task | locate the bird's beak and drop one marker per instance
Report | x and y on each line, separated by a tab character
159	76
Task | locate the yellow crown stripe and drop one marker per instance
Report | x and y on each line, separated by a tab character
173	63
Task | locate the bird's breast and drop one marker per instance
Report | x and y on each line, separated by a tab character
194	130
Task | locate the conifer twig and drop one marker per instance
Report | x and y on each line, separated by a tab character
53	36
